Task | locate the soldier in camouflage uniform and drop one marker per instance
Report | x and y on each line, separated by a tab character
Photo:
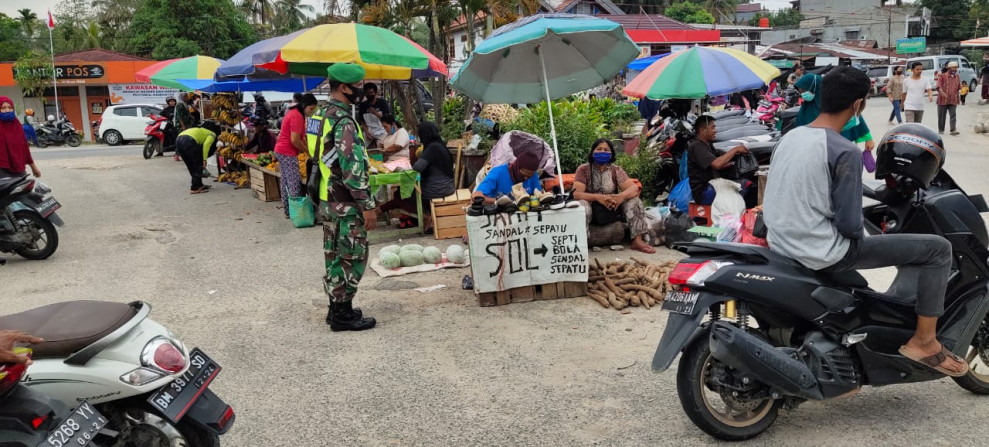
346	201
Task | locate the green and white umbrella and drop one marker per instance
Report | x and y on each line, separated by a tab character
545	57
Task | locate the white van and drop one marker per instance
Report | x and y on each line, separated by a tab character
966	71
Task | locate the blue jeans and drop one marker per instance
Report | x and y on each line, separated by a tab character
30	134
896	112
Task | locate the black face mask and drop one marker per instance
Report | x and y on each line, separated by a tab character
355	95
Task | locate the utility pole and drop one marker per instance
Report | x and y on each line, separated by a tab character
889	39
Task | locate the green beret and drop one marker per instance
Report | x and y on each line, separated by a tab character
346	73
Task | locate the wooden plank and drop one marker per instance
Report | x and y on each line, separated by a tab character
574	289
523	294
487	299
549	292
463	195
504	297
455	209
458	166
450	233
450	221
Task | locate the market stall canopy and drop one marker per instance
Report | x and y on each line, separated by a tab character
383	53
288	84
980	42
174	72
580	52
701	71
643	63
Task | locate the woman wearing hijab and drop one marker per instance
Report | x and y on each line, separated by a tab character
607	193
435	168
15	155
501	179
809	86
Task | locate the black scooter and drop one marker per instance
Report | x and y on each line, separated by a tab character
27	219
778	334
58	133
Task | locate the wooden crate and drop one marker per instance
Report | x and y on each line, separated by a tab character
450	214
533	293
264	186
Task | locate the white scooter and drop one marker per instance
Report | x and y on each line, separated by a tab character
153	390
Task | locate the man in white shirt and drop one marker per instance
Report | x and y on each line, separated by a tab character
914	88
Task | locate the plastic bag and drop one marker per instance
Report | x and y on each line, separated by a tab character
727	201
731	228
676	226
868	161
41	188
750	221
301	211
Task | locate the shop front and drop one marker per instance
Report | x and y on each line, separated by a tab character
88	82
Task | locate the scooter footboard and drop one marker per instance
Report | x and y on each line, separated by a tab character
680	328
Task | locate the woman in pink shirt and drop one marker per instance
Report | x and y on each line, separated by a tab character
292	142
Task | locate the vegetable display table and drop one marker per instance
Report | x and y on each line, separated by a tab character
408	183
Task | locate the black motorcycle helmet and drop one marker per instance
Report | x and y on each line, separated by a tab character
913	151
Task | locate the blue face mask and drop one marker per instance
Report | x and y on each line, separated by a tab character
807	96
852	122
602	157
393	130
8	116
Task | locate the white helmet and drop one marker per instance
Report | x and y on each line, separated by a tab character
51	117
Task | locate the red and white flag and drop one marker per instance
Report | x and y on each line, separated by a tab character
51	20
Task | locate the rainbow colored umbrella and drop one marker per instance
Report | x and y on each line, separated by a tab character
173	72
701	71
382	53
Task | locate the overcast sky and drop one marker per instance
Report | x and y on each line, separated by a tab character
40	7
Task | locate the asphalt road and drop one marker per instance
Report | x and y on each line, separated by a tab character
86	151
228	274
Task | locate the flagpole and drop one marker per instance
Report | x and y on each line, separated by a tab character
51	42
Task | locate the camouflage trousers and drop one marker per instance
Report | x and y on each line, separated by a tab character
345	251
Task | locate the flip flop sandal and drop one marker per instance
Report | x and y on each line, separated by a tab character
199	191
934	361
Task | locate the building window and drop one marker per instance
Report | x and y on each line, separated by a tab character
98	91
851	35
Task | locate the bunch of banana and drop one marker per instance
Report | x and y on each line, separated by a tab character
303	158
233	139
225	100
240	178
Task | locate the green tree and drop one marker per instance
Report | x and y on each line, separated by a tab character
722	10
113	19
292	15
946	23
33	73
12	42
689	12
28	21
260	12
165	29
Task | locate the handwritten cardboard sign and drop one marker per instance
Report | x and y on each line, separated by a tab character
522	249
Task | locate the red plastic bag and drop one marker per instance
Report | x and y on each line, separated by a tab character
748	224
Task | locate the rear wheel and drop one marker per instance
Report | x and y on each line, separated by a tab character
42	141
151	147
977	379
73	140
37	229
721	414
142	428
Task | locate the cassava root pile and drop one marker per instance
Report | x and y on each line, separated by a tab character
629	283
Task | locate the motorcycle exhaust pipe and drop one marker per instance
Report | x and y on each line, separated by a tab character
768	364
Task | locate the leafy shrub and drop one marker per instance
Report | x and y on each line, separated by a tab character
644	166
617	116
577	126
454	113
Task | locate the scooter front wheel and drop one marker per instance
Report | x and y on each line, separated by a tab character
139	427
717	413
151	147
74	140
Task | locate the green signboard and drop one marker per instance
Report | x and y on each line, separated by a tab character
911	45
780	63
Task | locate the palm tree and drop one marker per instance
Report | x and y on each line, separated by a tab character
28	20
258	11
292	14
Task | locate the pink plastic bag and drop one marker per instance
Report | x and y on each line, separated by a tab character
748	224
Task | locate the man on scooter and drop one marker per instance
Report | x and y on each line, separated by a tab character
813	209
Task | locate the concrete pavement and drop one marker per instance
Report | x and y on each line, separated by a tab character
228	274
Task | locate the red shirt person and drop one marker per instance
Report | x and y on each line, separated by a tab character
15	154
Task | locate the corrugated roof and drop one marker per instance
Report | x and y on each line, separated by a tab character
647	22
96	55
749	7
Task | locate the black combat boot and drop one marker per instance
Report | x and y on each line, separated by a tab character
329	315
344	318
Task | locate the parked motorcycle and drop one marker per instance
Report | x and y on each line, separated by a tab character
29	418
161	135
152	390
58	133
778	334
28	219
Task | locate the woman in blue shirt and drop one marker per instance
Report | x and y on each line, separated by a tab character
500	179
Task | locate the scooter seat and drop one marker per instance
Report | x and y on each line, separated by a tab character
69	326
7	182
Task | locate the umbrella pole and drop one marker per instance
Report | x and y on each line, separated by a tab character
552	125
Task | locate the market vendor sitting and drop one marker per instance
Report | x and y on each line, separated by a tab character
501	179
262	141
395	145
608	194
704	164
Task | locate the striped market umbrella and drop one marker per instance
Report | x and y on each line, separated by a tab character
173	72
383	53
701	71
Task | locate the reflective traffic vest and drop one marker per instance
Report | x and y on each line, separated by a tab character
313	138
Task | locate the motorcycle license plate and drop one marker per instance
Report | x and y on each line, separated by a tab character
680	302
78	429
175	399
48	206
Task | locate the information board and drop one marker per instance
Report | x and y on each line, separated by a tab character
523	249
140	94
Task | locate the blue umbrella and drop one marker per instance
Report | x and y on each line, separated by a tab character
545	57
639	64
288	84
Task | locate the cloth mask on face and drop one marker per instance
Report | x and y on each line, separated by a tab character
853	121
8	116
807	96
356	94
602	157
